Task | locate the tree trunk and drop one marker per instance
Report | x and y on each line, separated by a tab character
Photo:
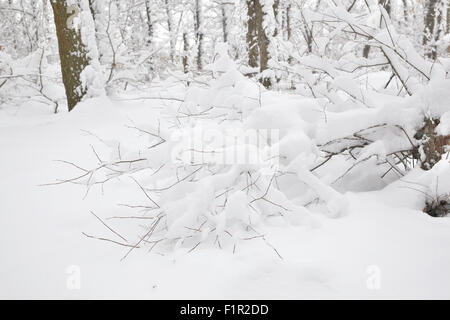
432	21
199	33
169	28
185	53
92	8
252	34
405	11
72	53
257	40
288	28
448	18
263	44
224	22
276	6
288	23
149	22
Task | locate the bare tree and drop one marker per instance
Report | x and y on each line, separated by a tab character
448	18
288	22
252	35
170	29
185	53
72	52
433	145
198	33
257	40
276	11
92	8
263	44
223	12
149	21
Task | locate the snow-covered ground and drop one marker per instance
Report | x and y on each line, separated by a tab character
384	246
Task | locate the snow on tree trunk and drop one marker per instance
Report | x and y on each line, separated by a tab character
72	52
252	34
257	40
199	33
432	22
276	10
288	22
224	22
185	53
149	21
169	28
263	43
77	49
433	145
92	8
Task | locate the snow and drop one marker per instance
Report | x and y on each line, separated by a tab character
172	183
381	233
444	126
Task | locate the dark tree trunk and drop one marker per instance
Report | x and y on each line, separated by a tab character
149	22
169	28
276	6
252	34
288	23
224	22
72	53
432	20
263	44
448	19
199	33
92	8
257	40
405	10
433	145
185	53
288	28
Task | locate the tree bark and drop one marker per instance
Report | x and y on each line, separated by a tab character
257	40
149	22
432	21
252	34
92	8
263	44
224	22
288	28
72	53
276	9
169	28
448	18
405	10
433	145
288	22
185	53
199	33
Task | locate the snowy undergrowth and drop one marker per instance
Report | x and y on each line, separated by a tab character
193	199
385	228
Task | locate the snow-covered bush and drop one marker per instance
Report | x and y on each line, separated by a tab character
372	118
341	134
196	198
34	77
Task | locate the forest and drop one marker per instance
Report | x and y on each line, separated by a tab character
275	149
